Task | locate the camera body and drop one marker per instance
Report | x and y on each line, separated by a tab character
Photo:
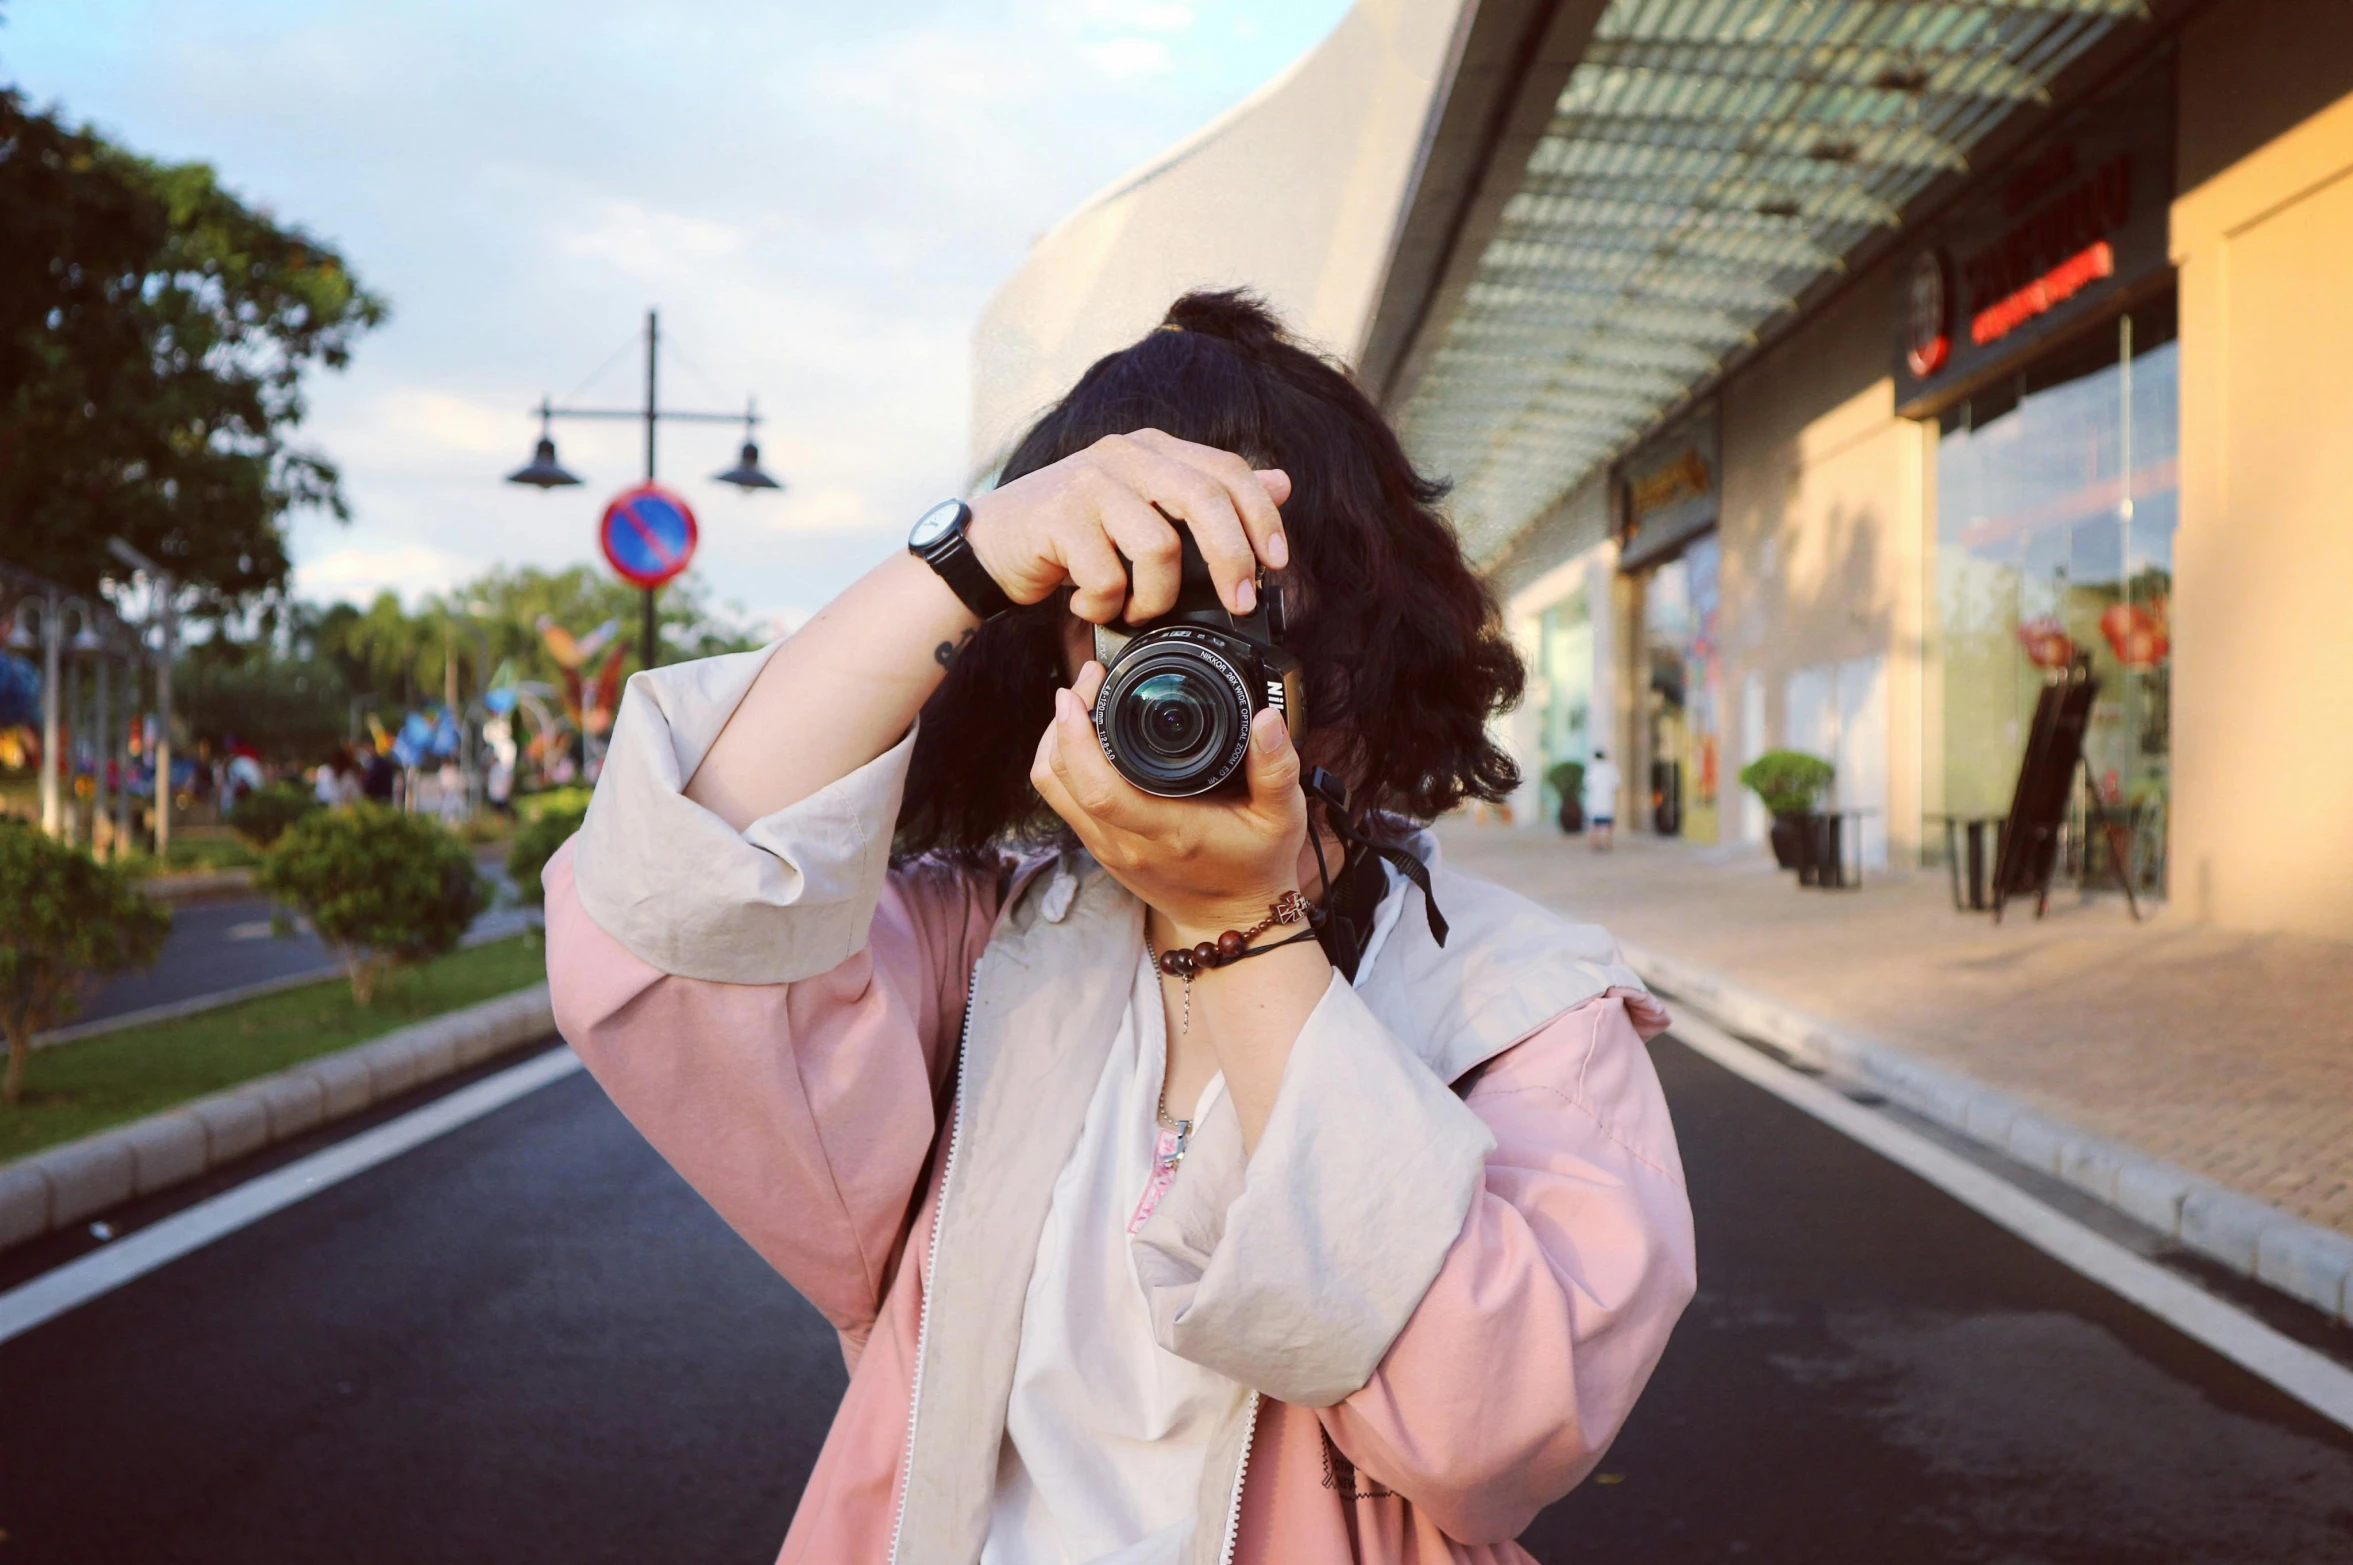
1179	693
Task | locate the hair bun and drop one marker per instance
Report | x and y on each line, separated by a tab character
1237	315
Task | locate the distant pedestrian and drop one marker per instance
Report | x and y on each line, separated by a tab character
450	804
327	785
376	782
1601	801
499	788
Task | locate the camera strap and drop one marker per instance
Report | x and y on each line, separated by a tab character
1321	786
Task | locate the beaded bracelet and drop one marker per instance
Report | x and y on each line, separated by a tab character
1188	962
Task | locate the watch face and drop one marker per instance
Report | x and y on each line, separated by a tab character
935	524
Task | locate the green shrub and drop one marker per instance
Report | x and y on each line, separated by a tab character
383	889
262	816
65	921
534	845
1790	782
1567	779
572	800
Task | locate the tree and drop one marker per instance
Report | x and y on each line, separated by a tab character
264	815
383	889
65	922
154	331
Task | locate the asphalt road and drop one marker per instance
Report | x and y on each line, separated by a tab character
528	1342
217	946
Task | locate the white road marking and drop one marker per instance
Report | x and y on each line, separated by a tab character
2314	1379
102	1271
251	929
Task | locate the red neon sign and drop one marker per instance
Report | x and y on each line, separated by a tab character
2055	287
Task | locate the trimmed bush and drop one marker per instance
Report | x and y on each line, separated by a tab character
383	889
1567	779
535	844
262	816
66	921
1790	782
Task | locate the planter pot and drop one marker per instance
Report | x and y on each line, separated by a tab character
1572	817
1789	838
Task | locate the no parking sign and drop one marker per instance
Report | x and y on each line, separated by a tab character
648	535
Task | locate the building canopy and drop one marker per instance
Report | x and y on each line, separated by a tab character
1706	164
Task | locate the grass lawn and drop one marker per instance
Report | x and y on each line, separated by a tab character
76	1088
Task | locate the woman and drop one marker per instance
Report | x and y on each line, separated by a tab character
1355	1248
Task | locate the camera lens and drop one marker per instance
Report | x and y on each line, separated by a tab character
1175	718
1171	715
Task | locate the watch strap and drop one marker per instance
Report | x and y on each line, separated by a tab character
952	557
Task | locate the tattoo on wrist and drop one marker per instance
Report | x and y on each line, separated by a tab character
945	653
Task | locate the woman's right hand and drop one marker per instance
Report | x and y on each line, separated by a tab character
1086	518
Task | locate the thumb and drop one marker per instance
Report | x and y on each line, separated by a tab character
1273	767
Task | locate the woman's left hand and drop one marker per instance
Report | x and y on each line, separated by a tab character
1207	865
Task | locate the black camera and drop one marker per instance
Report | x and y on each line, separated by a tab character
1179	693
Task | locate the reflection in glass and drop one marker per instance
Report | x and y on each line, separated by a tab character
1683	702
2057	494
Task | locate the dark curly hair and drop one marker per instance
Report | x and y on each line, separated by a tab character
1402	647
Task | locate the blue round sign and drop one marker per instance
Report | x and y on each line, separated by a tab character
648	535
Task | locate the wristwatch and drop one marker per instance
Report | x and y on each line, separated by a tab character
938	541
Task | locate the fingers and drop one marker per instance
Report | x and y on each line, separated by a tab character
1086	774
1151	546
1273	766
1256	493
1097	575
1211	491
1089	683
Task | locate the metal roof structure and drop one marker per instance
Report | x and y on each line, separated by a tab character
1707	162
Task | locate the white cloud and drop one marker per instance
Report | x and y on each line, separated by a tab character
1124	58
358	573
1151	16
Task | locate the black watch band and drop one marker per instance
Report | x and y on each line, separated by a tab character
939	542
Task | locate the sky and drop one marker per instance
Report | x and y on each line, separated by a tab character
818	196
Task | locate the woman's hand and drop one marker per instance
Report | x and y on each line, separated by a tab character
1085	518
1207	865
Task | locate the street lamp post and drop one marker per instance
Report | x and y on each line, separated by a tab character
167	592
544	472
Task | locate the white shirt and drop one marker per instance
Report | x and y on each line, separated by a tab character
1106	1431
1601	788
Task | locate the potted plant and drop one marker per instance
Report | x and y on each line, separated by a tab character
1567	780
1791	784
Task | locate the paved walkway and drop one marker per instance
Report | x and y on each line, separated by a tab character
2229	1054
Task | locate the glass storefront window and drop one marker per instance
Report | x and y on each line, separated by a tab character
2057	495
1683	703
1564	661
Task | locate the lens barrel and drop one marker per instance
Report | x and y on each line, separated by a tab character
1174	713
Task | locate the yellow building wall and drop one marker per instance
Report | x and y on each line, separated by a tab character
1822	538
2263	631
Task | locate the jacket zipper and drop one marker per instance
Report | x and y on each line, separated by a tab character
931	1265
1225	1555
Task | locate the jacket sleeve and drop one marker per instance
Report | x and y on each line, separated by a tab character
1555	1301
774	1009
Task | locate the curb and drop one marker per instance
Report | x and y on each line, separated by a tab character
65	1184
2309	1263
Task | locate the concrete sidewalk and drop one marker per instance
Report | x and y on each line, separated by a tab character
2230	1055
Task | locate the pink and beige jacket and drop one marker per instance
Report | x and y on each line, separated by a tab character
1446	1271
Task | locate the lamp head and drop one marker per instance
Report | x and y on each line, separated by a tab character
543	471
746	474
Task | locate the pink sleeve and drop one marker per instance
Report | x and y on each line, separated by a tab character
804	1111
1524	1357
